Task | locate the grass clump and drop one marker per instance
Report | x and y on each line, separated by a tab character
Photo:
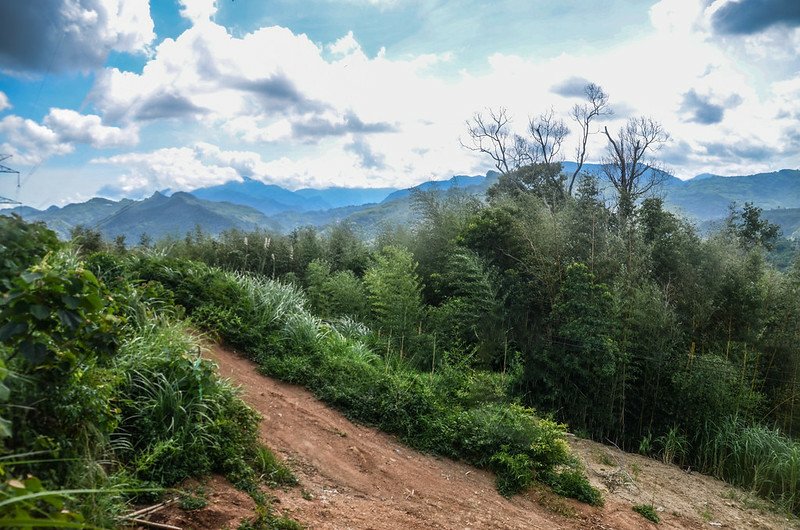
265	519
193	501
648	512
271	470
574	484
102	392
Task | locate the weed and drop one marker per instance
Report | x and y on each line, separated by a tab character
648	512
272	471
191	501
602	457
265	519
573	483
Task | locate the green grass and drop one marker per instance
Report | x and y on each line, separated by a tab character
756	458
648	512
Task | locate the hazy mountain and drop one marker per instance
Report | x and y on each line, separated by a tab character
271	199
394	209
62	220
458	181
709	197
157	216
701	199
787	218
338	197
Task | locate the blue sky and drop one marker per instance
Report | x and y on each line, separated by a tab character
125	97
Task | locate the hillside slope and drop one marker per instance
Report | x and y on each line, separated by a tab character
357	477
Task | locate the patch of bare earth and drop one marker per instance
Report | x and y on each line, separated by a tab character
226	507
356	477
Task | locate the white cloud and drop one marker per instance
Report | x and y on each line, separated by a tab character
60	130
198	11
345	45
396	120
65	35
73	127
29	141
177	168
5	104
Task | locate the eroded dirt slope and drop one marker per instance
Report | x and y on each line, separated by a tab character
355	477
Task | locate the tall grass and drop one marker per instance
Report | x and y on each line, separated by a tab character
756	458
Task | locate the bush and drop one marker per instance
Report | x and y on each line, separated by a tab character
573	483
648	512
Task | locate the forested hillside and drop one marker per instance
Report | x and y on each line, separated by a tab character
459	335
632	329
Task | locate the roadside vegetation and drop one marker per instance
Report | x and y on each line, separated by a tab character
628	327
483	333
105	401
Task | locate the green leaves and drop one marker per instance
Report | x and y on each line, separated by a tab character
27	504
55	313
395	293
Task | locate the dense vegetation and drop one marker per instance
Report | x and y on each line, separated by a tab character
629	328
104	399
476	334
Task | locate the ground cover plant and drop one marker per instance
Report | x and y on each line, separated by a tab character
104	398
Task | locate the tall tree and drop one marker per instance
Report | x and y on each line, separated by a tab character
395	294
595	107
629	163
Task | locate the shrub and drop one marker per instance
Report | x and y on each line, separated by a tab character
573	483
514	472
648	512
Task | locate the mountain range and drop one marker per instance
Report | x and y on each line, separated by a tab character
251	204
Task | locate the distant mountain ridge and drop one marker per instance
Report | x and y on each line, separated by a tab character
271	199
157	216
250	204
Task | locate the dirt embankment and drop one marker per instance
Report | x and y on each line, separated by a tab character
355	477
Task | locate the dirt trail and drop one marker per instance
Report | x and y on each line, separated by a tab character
355	477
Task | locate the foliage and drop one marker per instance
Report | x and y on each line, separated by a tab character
648	512
102	394
22	244
573	483
395	294
421	409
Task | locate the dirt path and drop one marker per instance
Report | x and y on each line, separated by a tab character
355	477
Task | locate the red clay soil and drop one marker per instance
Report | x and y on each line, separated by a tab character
356	477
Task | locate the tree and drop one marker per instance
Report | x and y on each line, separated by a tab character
541	149
345	250
490	135
394	293
119	244
87	239
145	240
577	372
751	230
629	165
544	180
584	114
548	133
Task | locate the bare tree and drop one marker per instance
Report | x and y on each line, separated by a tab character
491	135
548	133
629	165
596	106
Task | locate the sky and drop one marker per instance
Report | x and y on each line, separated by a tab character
120	98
